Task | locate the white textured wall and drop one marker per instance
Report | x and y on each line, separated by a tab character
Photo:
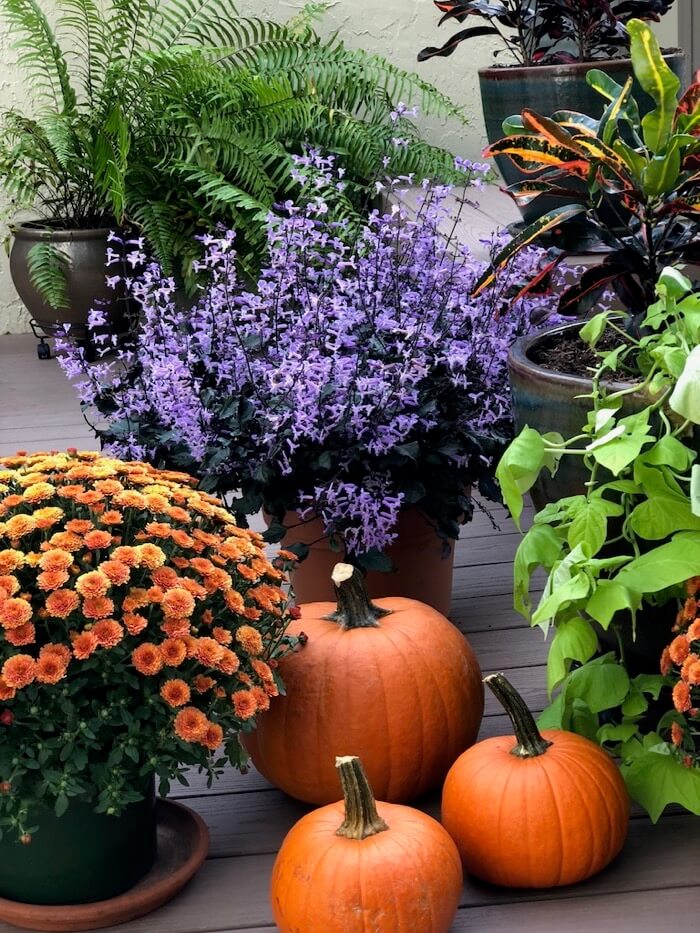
396	29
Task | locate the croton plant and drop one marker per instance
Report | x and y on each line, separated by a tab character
547	32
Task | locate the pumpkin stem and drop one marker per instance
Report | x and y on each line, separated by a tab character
355	609
361	817
530	742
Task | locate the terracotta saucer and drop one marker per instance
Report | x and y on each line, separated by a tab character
183	843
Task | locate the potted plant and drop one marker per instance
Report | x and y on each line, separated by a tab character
555	44
617	555
356	393
642	171
165	118
140	632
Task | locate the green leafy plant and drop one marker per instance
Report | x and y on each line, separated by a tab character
627	544
632	183
174	116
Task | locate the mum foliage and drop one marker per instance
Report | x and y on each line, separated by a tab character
356	378
139	631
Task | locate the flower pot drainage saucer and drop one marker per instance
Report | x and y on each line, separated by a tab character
183	842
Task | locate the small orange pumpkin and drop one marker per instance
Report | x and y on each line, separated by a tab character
551	809
394	681
365	866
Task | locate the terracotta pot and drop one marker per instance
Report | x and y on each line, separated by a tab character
86	278
80	857
548	88
422	572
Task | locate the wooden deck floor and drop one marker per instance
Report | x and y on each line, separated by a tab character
653	886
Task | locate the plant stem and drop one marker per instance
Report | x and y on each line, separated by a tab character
355	609
361	817
530	742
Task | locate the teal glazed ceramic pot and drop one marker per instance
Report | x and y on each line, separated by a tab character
547	88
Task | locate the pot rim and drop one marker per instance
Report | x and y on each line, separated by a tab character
27	230
520	364
517	72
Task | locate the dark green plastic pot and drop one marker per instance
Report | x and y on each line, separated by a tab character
80	857
546	89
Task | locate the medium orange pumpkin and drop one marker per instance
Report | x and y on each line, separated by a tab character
394	682
365	867
551	809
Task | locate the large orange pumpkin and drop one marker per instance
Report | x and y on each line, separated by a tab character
365	867
534	810
393	682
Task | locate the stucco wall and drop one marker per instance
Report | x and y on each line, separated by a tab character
396	29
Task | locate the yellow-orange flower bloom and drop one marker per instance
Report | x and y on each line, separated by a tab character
19	671
249	639
39	492
201	683
677	733
177	602
228	663
11	560
679	649
261	698
108	633
693	632
61	603
51	579
111	517
98	539
666	664
19	525
175	692
681	697
150	556
14	612
234	601
9	585
79	526
244	703
174	651
126	555
262	669
213	736
93	584
22	635
98	608
116	572
208	652
66	541
6	692
147	659
190	724
84	644
222	635
56	560
61	651
176	628
165	577
50	668
134	623
130	499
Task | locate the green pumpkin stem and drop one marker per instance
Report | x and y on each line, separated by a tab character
361	817
530	742
355	609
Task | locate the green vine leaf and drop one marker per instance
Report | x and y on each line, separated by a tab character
656	779
575	640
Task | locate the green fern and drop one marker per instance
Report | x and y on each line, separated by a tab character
48	264
172	116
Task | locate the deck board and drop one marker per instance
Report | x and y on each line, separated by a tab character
653	886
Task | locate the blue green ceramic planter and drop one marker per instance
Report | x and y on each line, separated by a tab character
546	89
80	857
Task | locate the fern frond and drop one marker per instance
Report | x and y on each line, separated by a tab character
48	265
85	29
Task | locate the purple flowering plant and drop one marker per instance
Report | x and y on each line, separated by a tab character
354	379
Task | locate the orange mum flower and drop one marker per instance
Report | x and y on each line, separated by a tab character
666	664
134	623
14	612
116	572
11	560
234	601
6	692
89	497
50	668
213	736
136	598
22	635
19	671
93	584
147	659
209	652
247	573
271	688
181	538
65	541
130	499
108	633
126	555
202	565
84	644
266	595
79	526
249	639
218	579
61	651
261	698
177	514
222	635
687	664
19	525
150	555
228	663
205	537
56	560
111	517
694	674
51	579
9	585
679	649
244	704
39	492
176	628
98	608
190	724
178	602
180	562
253	614
681	697
692	586
61	603
165	578
677	733
262	669
97	539
173	651
201	683
175	692
693	632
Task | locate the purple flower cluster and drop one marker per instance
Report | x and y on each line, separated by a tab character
357	377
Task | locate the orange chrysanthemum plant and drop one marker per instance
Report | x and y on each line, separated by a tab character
139	631
680	662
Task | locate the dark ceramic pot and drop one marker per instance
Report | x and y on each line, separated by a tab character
80	857
86	278
548	400
546	89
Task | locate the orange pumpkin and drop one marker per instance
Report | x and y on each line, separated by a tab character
534	810
365	867
394	682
